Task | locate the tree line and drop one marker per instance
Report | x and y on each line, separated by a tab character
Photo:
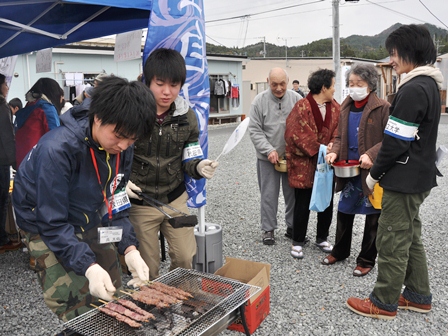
357	46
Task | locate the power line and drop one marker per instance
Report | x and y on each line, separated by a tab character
432	13
274	16
397	12
263	12
307	11
215	41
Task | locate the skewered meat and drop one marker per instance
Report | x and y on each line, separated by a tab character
127	312
146	299
119	317
134	307
173	291
152	292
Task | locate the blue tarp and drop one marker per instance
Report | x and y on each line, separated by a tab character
30	25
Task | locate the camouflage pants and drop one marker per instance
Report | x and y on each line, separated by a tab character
66	293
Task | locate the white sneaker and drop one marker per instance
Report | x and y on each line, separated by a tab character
296	252
325	246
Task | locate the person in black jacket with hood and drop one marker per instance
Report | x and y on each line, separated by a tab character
405	168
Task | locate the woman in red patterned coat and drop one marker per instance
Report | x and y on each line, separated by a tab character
313	121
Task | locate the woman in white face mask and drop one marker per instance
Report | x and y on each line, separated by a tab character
361	127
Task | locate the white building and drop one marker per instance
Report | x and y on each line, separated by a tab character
84	61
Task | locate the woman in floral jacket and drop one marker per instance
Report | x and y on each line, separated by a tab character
313	121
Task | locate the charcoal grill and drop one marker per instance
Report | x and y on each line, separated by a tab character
213	307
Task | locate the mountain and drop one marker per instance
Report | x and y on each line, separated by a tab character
369	47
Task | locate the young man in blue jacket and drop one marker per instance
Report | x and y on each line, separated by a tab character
70	200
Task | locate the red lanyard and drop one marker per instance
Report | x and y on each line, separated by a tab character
108	204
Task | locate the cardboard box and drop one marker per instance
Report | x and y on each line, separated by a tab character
252	273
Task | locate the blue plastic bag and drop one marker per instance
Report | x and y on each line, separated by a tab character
323	183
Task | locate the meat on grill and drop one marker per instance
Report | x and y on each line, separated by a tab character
152	292
170	290
127	312
134	307
146	299
119	317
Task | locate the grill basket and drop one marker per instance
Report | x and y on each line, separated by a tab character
214	298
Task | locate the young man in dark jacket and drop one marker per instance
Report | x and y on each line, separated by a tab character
160	163
405	168
70	200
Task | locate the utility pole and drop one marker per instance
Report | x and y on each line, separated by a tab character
264	46
437	44
336	52
286	48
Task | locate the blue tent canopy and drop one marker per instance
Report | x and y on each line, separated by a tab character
30	25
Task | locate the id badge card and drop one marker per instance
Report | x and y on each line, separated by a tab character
111	234
120	202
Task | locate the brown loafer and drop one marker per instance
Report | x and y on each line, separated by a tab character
361	271
329	260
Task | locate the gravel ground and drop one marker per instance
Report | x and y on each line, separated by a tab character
307	298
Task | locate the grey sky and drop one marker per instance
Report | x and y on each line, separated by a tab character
306	21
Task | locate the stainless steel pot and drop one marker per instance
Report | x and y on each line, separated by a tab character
346	168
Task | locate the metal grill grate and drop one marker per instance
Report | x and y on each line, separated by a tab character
215	297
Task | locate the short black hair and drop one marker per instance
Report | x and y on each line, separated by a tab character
320	78
130	106
165	64
367	72
16	102
295	81
2	79
413	44
50	88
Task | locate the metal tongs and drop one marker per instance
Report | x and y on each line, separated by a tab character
176	222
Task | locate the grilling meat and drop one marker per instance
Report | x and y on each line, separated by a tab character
146	299
152	292
127	312
134	307
173	291
119	317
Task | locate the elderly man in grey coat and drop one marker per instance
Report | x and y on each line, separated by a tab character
268	114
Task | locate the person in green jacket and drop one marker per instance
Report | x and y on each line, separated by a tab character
160	163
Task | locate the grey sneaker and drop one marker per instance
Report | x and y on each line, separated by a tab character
268	238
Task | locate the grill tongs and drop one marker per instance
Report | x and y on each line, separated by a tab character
176	222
